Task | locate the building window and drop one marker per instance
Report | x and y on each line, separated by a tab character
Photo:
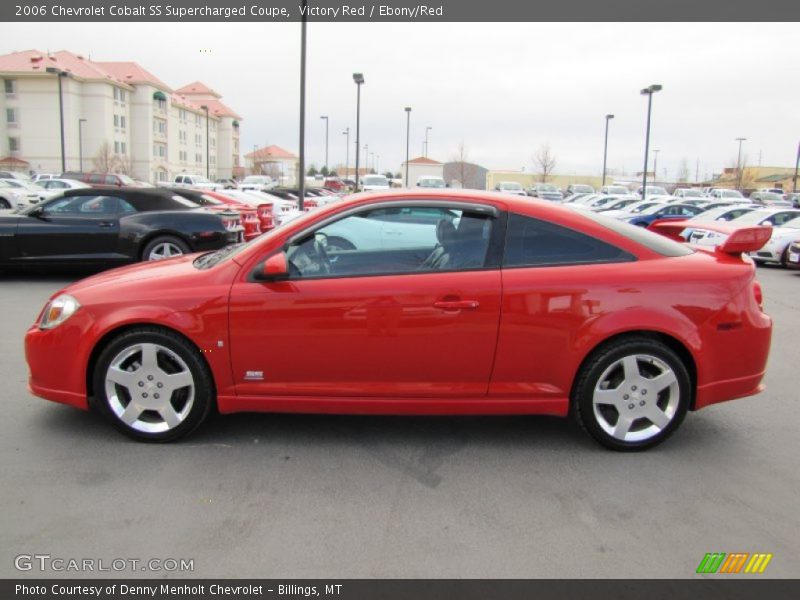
198	158
116	119
212	160
182	115
161	104
182	137
11	116
213	142
122	148
13	144
159	150
116	147
11	87
197	120
182	155
122	122
198	139
119	95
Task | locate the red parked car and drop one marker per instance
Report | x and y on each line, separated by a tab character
442	302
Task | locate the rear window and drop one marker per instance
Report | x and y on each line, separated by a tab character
640	235
531	243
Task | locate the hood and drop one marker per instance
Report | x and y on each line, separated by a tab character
120	281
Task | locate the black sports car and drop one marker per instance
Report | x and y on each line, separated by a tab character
112	227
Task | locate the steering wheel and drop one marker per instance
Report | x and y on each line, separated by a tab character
322	256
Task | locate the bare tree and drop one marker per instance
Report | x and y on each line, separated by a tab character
103	161
466	172
683	171
122	164
545	161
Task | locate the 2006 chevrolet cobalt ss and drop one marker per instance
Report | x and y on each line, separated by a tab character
417	302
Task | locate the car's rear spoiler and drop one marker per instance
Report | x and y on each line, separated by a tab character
739	240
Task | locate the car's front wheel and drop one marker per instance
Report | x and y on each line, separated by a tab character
153	385
632	394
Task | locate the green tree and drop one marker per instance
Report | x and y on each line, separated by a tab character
312	171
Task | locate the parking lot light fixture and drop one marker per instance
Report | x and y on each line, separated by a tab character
427	129
346	132
655	166
358	78
796	166
59	73
408	139
80	144
648	91
325	117
208	157
605	148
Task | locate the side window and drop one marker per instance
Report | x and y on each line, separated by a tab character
82	206
534	243
394	240
781	218
96	178
110	180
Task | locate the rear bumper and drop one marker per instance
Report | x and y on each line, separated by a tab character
722	391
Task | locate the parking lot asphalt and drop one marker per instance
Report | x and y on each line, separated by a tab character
294	496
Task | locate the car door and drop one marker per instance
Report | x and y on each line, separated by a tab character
71	229
374	324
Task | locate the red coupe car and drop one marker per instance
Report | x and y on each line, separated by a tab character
440	302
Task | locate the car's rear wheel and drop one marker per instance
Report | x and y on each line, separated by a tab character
4	203
632	394
153	385
165	246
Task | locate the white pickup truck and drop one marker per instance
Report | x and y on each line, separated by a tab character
195	181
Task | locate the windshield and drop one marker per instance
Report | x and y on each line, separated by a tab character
547	188
715	213
654	190
510	185
621	204
433	182
375	180
652	209
617	189
730	194
582	188
691	193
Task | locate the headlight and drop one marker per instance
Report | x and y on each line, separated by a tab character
58	310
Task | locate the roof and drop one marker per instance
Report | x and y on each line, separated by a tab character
35	62
776	177
423	160
131	72
270	152
217	108
197	88
13	161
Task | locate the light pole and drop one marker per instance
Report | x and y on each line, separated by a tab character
739	164
605	148
326	141
80	144
655	165
427	129
648	91
301	176
208	155
796	165
377	163
358	78
255	149
366	156
346	152
59	74
408	138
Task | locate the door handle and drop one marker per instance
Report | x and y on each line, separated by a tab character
457	304
105	224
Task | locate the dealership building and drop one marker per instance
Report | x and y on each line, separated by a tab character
117	117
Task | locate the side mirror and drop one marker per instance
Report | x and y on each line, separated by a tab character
275	268
768	223
418	184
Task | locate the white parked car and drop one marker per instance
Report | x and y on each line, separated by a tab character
15	175
776	249
686	193
721	193
43	176
634	209
27	191
200	182
720	213
372	183
53	187
431	181
283	210
259	183
615	190
510	187
773	217
652	191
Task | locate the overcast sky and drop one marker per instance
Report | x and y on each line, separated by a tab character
502	89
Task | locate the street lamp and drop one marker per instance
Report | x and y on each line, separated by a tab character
366	156
408	138
60	73
208	158
739	164
347	153
358	78
427	129
605	148
796	165
80	144
301	163
648	91
655	165
326	141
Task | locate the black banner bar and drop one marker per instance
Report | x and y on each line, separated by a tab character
728	588
400	11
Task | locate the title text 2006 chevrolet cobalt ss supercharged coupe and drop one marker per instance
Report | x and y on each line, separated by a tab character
416	302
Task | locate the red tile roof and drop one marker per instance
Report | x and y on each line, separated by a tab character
34	61
270	152
130	72
423	160
197	87
13	161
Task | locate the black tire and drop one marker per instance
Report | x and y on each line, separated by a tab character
785	258
196	406
162	240
4	203
604	363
